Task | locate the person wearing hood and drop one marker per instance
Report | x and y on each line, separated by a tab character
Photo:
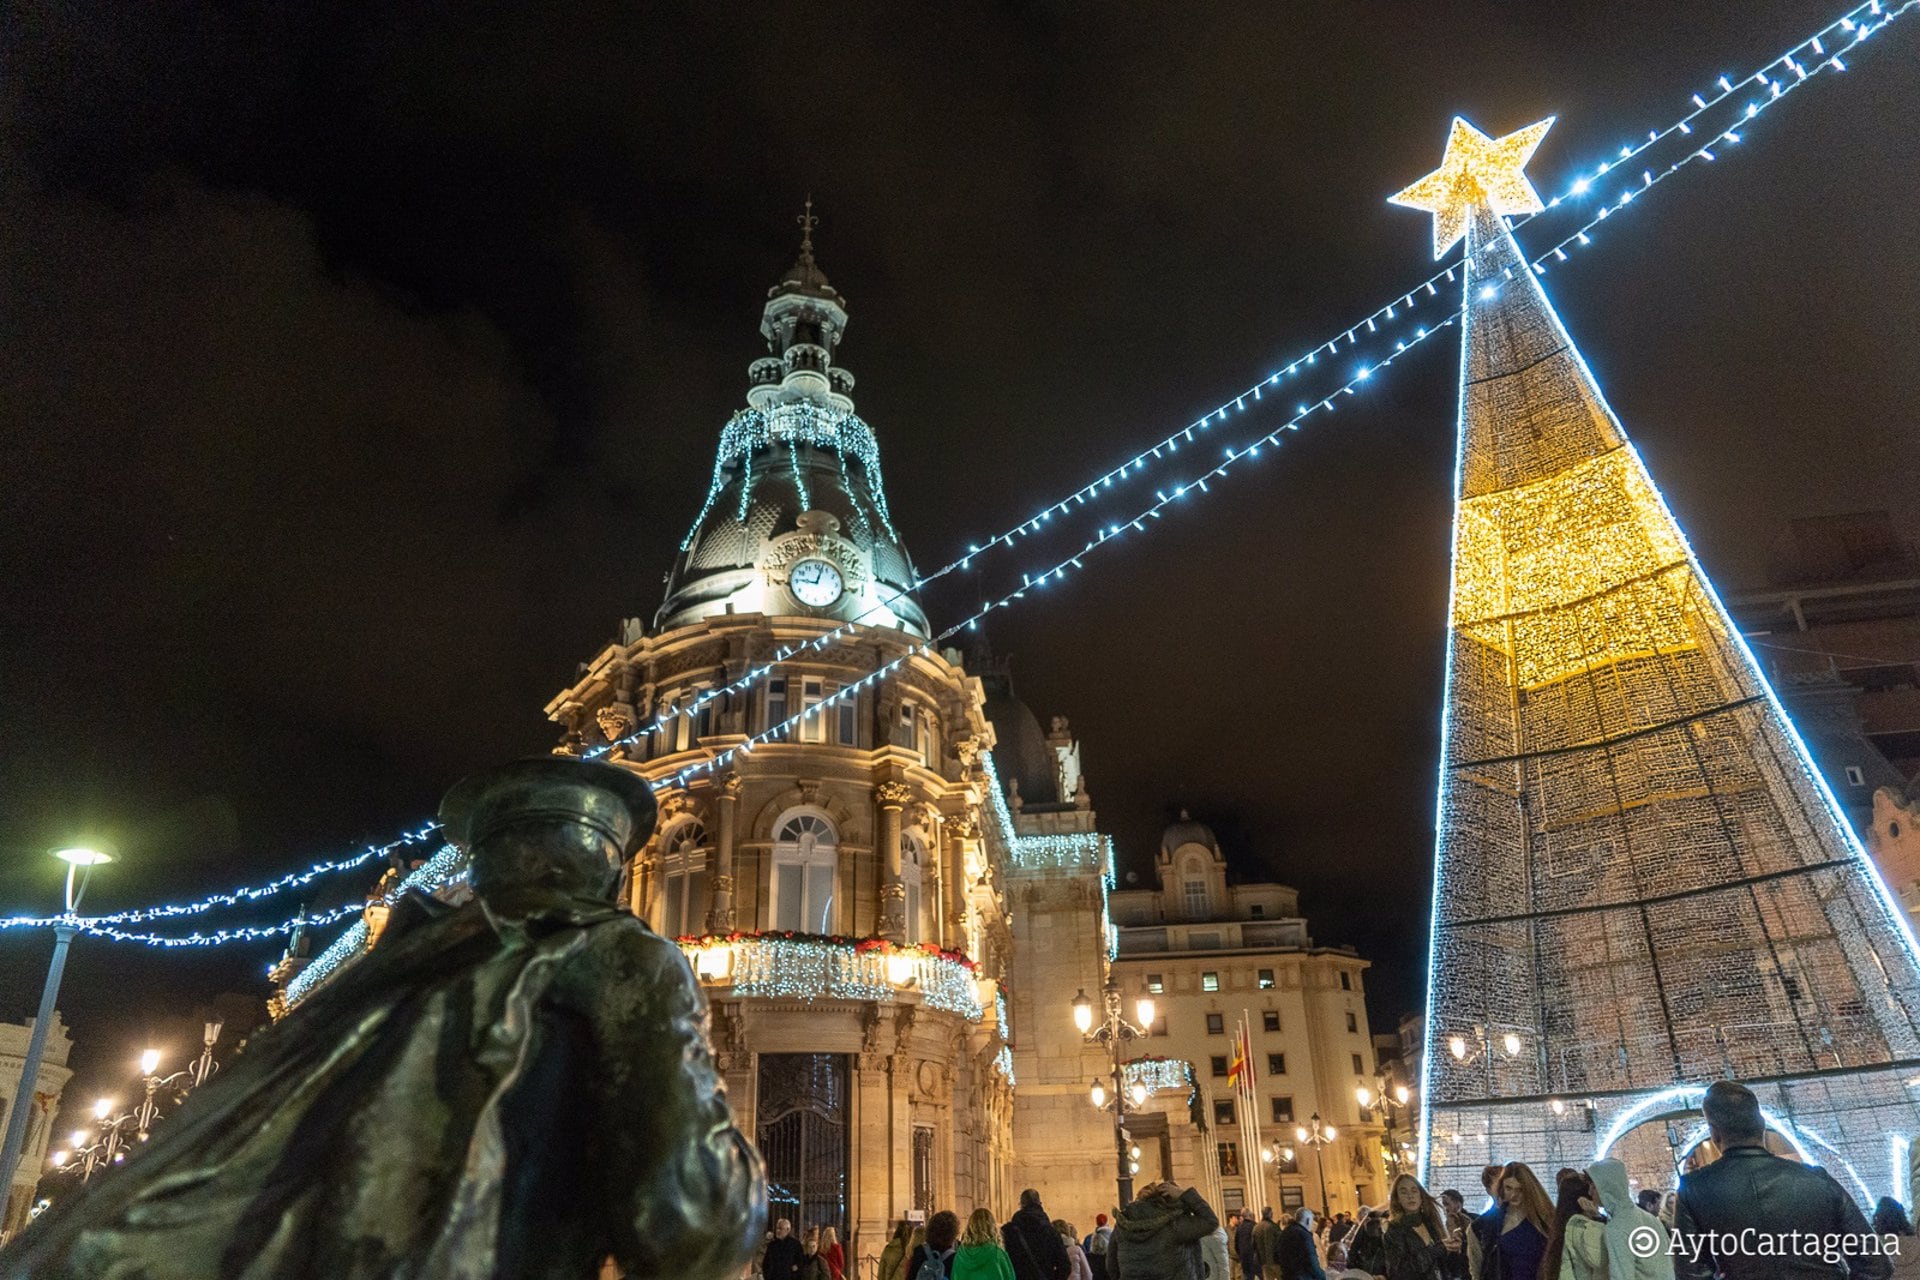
980	1255
1158	1236
1035	1247
1606	1250
1213	1253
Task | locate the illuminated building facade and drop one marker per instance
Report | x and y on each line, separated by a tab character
1215	957
1642	883
45	1102
840	887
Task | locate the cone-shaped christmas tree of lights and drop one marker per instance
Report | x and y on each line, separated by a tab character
1641	884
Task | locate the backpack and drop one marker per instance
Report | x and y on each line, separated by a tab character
934	1267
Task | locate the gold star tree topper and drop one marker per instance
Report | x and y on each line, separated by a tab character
1476	169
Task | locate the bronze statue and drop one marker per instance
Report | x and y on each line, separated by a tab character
518	1087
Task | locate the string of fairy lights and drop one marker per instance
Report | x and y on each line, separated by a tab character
1746	98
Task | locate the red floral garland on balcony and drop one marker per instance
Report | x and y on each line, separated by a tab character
859	946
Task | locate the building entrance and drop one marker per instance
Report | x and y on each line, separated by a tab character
802	1131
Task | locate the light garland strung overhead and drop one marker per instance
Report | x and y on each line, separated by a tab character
1751	96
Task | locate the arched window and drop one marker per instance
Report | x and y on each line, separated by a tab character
683	881
805	850
913	874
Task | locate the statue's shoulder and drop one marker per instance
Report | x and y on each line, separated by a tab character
624	942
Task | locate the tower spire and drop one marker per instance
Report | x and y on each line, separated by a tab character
1641	883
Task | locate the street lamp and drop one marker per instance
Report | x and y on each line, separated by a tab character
1390	1098
1113	1030
1316	1135
80	864
194	1076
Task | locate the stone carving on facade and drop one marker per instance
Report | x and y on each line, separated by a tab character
904	1017
616	720
892	795
729	785
870	1024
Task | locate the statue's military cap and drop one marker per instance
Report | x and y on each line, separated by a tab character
611	800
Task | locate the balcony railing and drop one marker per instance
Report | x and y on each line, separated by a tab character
806	967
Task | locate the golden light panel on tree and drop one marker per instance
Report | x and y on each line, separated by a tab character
1573	572
1476	170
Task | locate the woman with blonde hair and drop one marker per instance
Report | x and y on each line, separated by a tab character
836	1257
1513	1241
980	1256
1418	1243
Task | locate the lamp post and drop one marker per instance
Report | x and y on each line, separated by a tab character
194	1076
1113	1030
80	864
1391	1097
1316	1135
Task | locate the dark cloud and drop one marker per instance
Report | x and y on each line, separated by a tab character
361	364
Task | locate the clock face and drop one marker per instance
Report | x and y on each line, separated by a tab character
816	583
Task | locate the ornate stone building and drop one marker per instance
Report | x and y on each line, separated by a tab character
54	1075
1217	957
836	882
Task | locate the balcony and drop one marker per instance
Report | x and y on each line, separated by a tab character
810	967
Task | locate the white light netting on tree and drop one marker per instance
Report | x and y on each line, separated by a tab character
1642	883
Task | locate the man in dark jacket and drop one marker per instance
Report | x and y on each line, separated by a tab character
784	1255
1158	1235
1299	1254
1245	1248
1749	1189
1036	1249
1266	1244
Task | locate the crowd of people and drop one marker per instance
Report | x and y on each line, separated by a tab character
1593	1227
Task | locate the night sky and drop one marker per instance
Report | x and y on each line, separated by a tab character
361	366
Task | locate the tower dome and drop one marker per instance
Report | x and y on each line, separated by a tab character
1187	831
796	520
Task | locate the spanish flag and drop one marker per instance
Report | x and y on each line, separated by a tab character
1239	1065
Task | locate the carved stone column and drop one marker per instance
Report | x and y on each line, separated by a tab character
892	797
727	798
961	833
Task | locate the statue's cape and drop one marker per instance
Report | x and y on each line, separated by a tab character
426	1114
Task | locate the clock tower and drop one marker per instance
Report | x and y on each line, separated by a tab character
795	520
827	854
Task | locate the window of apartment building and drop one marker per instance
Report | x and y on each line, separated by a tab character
1269	1019
1265	980
1283	1110
1229	1159
683	881
1217	1064
849	728
1856	777
1156	985
1353	1023
1276	1064
1223	1112
804	858
1216	1024
1194	892
1292	1198
1286	1164
1256	911
1209	981
776	701
1357	1068
1346	980
1233	1199
813	722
